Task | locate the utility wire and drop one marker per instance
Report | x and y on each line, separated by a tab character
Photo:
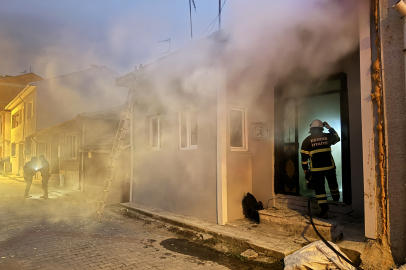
194	5
215	19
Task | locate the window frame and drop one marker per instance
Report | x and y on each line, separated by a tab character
13	116
67	146
30	111
189	145
151	137
244	129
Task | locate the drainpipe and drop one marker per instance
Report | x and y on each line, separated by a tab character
82	159
132	148
400	7
24	121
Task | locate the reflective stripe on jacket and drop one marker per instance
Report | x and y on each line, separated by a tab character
317	148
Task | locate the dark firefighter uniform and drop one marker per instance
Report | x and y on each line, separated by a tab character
44	175
29	172
317	149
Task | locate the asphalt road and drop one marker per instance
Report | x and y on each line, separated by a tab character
59	233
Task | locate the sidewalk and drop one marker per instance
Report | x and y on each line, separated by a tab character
58	191
243	232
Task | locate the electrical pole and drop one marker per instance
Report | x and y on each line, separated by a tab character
190	14
219	14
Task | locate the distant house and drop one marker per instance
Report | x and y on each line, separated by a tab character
45	104
81	147
5	135
10	87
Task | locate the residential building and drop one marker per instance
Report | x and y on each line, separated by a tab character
82	146
47	103
10	87
5	121
198	148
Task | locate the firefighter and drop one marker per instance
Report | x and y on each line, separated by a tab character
44	175
30	168
317	149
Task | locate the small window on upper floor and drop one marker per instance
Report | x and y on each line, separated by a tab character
16	119
71	146
13	149
238	130
188	128
155	132
30	109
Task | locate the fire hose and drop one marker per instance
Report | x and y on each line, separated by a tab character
327	243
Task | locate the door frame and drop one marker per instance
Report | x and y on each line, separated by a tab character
279	101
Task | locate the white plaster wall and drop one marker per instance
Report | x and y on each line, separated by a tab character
182	181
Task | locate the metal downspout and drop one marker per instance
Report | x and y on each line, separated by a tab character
24	121
82	159
132	150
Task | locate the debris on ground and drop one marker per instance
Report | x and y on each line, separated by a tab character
316	256
249	254
377	255
205	236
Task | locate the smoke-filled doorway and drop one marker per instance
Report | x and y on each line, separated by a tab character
326	108
296	106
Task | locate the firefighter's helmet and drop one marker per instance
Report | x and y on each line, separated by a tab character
316	123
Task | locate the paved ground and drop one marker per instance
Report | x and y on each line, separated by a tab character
59	233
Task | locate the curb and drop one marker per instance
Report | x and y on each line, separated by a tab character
266	248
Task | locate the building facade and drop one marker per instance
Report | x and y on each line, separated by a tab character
199	148
45	104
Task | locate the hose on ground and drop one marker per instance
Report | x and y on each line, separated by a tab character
327	243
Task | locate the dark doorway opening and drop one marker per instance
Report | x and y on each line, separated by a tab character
296	105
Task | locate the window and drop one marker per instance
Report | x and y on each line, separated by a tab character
71	146
238	137
16	119
188	129
155	133
30	109
13	149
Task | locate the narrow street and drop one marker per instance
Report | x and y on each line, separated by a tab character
59	233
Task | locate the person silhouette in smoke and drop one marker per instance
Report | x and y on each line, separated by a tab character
44	175
317	149
30	168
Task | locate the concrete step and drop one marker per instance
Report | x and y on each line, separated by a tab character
300	204
291	221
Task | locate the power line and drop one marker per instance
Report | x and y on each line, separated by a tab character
215	19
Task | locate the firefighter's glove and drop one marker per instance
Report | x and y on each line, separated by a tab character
325	124
309	180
